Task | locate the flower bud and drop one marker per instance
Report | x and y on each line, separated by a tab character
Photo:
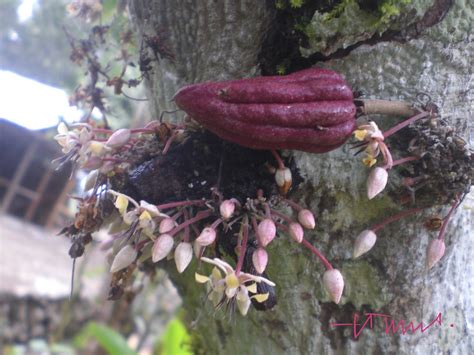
124	258
434	252
227	209
166	225
334	284
296	232
183	254
207	237
283	179
119	138
161	247
376	182
266	231
364	242
306	219
260	260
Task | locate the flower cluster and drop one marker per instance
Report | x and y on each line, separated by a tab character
149	233
372	141
366	240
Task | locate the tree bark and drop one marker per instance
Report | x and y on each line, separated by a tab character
215	40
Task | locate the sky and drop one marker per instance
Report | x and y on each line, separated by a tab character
29	103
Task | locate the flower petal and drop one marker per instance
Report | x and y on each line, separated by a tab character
201	278
261	297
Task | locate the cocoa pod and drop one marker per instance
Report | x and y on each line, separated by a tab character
311	110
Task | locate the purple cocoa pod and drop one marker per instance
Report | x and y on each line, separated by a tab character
311	110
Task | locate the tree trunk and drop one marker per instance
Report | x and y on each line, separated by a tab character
215	40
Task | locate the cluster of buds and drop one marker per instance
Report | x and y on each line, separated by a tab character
366	240
151	232
102	149
372	141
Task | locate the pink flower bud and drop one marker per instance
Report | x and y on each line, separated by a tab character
124	258
376	182
306	218
434	252
334	284
296	232
266	231
183	254
166	225
364	242
227	209
119	138
260	260
207	237
161	247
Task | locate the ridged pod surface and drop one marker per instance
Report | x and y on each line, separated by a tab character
311	110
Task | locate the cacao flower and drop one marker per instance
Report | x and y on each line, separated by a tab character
434	252
183	254
161	247
118	138
166	225
364	242
227	209
124	258
334	284
207	237
260	260
296	232
376	182
306	219
266	231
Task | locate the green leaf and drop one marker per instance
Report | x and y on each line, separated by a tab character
175	340
112	342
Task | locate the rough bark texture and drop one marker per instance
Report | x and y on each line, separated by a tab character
222	39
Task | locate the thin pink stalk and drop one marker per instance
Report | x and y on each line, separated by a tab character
255	226
293	205
186	229
143	130
404	160
169	205
102	130
387	156
216	223
405	123
395	218
442	231
282	216
199	216
243	248
281	164
168	142
316	252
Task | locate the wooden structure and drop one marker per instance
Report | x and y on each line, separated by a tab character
30	188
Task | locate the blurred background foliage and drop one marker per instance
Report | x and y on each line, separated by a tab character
37	46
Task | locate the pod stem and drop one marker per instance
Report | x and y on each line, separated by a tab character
385	107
